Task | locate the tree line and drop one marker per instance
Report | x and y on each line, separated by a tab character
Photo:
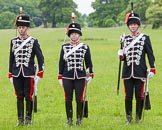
57	13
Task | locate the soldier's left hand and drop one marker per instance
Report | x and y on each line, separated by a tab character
150	75
88	79
36	79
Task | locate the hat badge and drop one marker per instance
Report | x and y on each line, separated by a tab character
73	25
20	17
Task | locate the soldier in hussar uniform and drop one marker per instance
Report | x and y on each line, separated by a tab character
75	58
136	47
23	49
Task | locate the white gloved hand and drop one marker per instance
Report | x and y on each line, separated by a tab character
88	79
120	52
60	82
150	75
36	79
11	80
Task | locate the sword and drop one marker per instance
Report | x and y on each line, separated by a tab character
35	91
85	103
120	63
146	104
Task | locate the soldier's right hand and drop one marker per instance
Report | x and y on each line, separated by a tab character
11	80
10	77
60	82
59	77
120	52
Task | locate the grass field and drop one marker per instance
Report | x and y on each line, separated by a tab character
106	109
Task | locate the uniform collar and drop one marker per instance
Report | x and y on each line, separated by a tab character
74	43
135	35
23	38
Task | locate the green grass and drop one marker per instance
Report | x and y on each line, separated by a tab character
106	109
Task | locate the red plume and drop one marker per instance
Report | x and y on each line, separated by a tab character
127	17
16	19
67	29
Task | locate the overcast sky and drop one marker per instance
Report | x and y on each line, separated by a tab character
84	6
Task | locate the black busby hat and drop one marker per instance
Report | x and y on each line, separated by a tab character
132	18
23	20
74	28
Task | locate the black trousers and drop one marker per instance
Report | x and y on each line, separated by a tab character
132	85
24	87
70	85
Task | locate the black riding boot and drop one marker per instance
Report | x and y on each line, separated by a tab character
69	113
20	112
29	106
128	109
79	113
139	108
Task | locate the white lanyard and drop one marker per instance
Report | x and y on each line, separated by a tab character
133	42
72	50
22	44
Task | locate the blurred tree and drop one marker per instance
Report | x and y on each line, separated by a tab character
154	14
7	20
30	7
106	11
57	11
139	6
115	10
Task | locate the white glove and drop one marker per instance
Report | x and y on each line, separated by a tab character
60	82
120	52
36	79
150	75
88	79
11	80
